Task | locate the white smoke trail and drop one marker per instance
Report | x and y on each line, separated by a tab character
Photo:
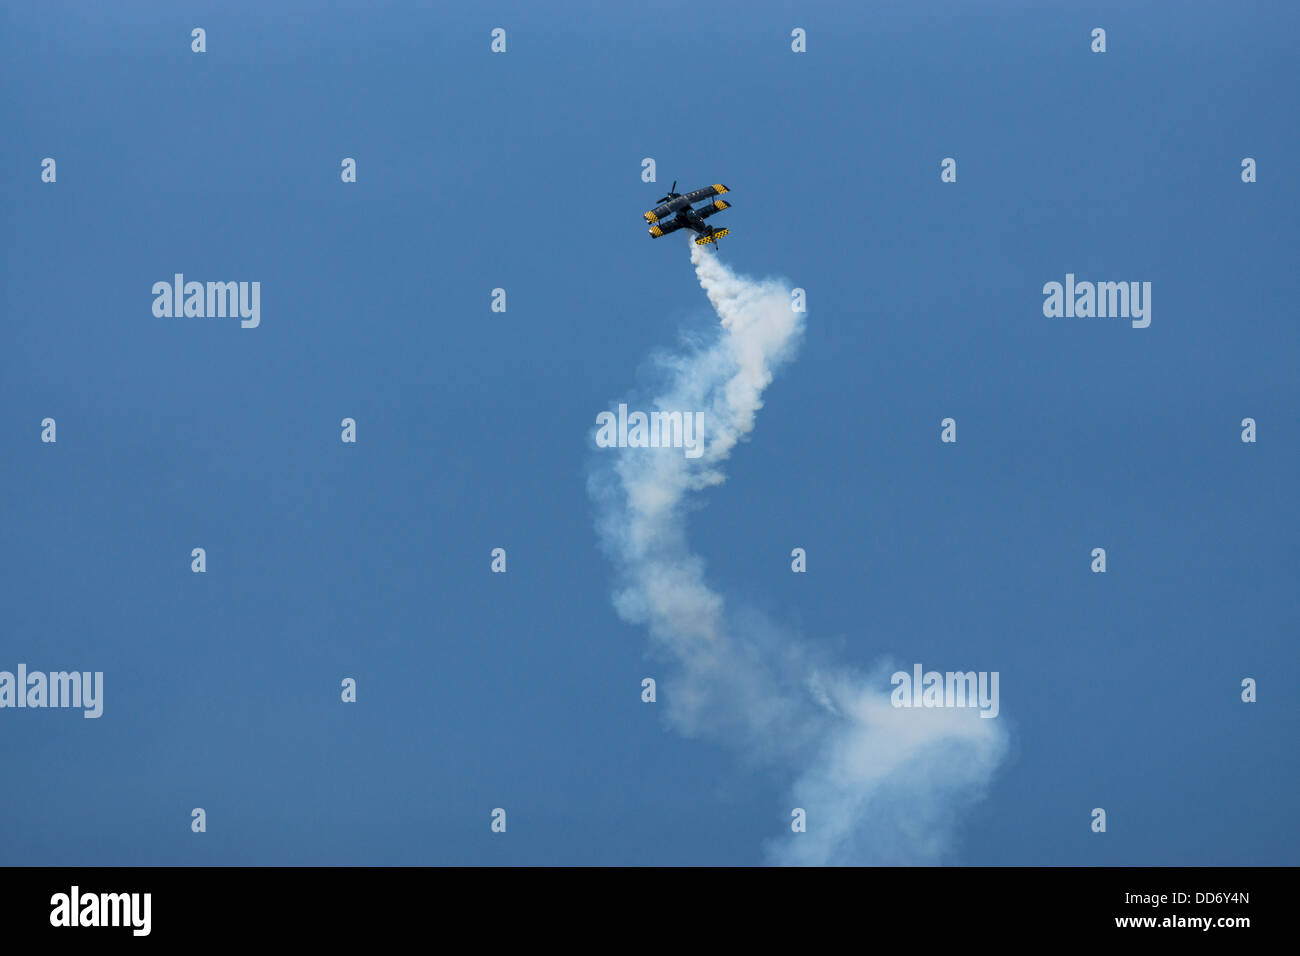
879	784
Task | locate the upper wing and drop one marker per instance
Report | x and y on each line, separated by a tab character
663	228
668	208
717	189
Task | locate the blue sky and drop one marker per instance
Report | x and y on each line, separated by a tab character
523	171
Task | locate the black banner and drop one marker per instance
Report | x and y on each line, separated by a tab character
652	905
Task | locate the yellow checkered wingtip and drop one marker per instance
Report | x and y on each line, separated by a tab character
651	217
720	188
656	231
721	204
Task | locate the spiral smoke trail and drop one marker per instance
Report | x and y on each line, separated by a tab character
880	785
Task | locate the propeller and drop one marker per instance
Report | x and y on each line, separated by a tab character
672	193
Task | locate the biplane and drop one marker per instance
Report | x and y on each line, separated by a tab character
678	211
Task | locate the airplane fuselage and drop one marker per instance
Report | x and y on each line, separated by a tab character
690	219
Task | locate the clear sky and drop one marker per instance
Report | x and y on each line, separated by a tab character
522	171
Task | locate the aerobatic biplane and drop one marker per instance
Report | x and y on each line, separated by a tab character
675	212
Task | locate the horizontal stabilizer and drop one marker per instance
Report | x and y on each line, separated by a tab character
713	238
